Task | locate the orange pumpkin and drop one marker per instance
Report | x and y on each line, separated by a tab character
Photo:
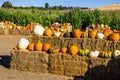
31	46
46	46
77	33
15	47
93	34
38	46
115	36
48	32
64	50
107	32
73	50
62	34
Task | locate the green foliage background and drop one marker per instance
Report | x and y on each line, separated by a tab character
78	18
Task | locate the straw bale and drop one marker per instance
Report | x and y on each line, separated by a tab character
24	32
14	32
74	71
79	64
97	61
56	69
2	31
33	61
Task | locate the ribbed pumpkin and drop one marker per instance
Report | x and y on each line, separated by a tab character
107	32
64	50
38	46
73	50
31	46
48	32
93	34
77	33
46	46
115	36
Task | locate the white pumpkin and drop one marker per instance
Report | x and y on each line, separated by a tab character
116	54
100	35
11	27
56	33
38	30
94	54
23	44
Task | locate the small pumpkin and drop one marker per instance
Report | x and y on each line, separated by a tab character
115	36
85	34
15	47
73	50
56	33
94	54
62	34
100	35
116	54
77	33
48	32
46	46
38	46
93	34
31	46
64	50
54	49
107	32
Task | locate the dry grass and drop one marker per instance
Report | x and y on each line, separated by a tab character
109	7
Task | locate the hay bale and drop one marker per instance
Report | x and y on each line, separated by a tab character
2	31
24	32
97	61
74	71
14	32
33	61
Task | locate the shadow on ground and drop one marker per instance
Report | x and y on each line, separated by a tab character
5	60
102	72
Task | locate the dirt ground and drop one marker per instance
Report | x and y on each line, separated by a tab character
6	44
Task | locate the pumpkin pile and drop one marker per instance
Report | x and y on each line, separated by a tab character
92	31
11	25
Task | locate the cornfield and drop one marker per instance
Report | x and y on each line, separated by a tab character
78	18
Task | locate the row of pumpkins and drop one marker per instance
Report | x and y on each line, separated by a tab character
105	33
65	30
24	44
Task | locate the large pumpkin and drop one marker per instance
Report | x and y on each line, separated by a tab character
46	46
73	50
115	36
93	34
38	46
77	33
31	46
23	44
38	30
48	32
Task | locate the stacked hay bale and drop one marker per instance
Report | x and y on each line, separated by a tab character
65	64
33	61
